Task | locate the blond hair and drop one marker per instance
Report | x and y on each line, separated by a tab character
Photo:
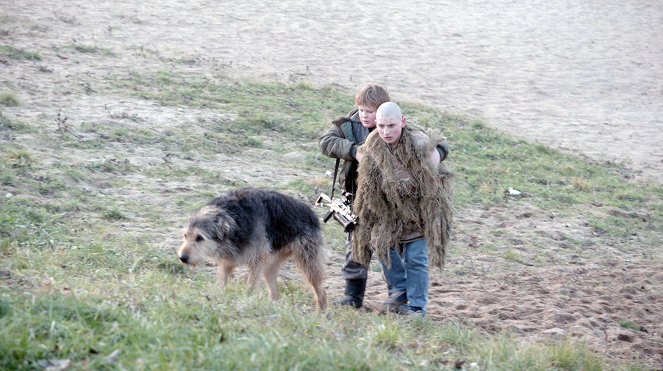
371	95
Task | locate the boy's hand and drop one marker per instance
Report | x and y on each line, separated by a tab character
359	155
433	157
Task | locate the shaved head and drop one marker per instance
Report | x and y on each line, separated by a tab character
390	122
389	110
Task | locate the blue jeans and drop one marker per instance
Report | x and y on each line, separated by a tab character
409	273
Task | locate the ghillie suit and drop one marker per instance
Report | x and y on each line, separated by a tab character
400	194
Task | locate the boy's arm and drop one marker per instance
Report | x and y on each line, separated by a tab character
333	144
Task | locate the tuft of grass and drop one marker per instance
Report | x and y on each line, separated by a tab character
504	352
388	335
19	54
9	99
19	158
512	256
92	49
8	124
574	356
630	325
111	165
50	186
457	336
581	184
114	214
25	224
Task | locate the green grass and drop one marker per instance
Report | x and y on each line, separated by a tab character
8	124
159	319
92	49
19	54
18	158
87	264
293	111
9	99
630	325
25	224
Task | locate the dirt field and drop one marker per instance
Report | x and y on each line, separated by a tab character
584	77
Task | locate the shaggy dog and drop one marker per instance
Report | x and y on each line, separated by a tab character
259	229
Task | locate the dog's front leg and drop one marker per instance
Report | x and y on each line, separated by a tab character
255	270
225	270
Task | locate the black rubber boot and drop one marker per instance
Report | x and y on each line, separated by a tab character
354	293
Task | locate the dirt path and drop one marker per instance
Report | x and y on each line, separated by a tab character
580	76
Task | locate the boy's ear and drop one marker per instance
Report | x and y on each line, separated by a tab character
404	121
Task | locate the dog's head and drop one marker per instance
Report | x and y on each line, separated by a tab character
204	236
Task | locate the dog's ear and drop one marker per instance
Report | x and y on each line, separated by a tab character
223	225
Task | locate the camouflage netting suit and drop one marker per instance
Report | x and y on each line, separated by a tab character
342	141
390	205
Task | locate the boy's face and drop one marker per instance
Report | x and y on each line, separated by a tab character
390	128
367	116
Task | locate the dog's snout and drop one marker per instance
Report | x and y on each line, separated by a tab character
184	258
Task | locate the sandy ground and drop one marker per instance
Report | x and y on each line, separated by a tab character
580	76
584	77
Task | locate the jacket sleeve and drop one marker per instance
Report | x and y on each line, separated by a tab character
443	148
334	144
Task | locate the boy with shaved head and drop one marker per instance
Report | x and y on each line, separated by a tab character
403	203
